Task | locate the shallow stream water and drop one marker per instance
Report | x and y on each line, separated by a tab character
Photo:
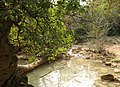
76	72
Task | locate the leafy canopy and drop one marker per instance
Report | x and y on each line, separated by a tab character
38	26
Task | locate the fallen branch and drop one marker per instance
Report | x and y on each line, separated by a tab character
33	65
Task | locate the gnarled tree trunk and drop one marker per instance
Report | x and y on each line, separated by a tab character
9	76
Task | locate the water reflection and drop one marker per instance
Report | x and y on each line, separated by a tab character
51	80
68	76
84	78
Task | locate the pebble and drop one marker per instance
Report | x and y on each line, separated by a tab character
108	63
117	70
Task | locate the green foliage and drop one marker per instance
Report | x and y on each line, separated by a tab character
44	28
31	59
38	27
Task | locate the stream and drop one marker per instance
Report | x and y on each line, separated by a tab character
76	72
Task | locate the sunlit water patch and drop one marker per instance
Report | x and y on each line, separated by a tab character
69	75
84	78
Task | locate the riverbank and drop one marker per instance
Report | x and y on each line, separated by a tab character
80	59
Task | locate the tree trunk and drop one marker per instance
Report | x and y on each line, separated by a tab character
8	60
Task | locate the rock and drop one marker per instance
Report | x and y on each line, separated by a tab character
110	77
108	63
87	57
119	78
113	65
77	51
117	70
107	77
79	48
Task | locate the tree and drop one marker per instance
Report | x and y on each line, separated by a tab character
38	23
